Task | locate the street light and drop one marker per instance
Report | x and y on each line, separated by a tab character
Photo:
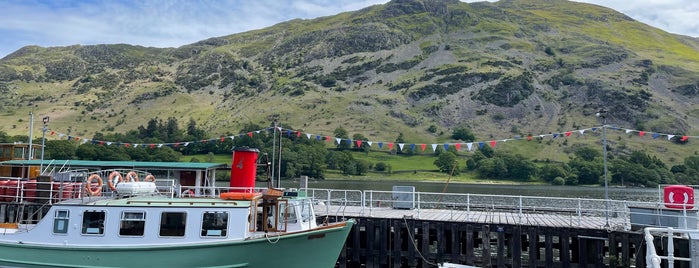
603	114
43	143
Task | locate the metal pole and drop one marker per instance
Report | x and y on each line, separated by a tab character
279	167
31	133
274	147
43	144
603	113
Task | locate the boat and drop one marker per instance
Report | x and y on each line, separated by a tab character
121	221
135	227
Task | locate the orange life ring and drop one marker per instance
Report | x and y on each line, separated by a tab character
88	185
110	181
131	176
240	196
149	178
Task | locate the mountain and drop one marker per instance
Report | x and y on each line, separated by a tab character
514	67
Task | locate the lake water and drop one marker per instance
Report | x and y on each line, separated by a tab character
615	193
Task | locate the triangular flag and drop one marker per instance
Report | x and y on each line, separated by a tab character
412	147
109	143
594	129
327	138
480	144
684	138
568	134
582	132
160	145
152	146
186	144
308	136
423	146
492	143
669	137
380	145
369	142
434	147
529	137
458	146
400	145
338	140
317	137
446	147
359	144
469	145
555	135
250	134
656	135
390	146
628	131
349	141
298	133
641	133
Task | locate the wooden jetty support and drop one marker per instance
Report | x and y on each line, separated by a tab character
485	230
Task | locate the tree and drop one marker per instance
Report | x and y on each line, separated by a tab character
341	133
446	163
463	134
587	153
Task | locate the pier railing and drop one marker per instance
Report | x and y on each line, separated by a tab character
572	212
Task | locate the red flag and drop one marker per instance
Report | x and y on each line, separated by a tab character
390	146
152	145
492	143
127	145
568	134
458	146
684	138
327	138
641	133
422	146
250	134
298	134
359	144
529	137
223	139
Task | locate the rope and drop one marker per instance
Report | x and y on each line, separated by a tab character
270	241
412	239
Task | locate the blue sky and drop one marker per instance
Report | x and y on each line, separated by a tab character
173	23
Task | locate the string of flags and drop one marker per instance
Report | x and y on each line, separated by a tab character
380	144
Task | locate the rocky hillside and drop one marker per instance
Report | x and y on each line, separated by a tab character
513	67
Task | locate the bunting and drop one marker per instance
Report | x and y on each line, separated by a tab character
380	144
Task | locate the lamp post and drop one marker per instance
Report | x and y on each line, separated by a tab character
603	114
43	143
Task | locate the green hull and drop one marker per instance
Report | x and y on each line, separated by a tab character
318	248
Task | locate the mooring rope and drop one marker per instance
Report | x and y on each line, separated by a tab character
412	239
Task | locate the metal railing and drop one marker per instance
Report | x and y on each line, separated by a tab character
653	260
575	209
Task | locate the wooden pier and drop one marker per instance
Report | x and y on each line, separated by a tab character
489	233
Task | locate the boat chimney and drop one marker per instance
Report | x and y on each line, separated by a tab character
243	169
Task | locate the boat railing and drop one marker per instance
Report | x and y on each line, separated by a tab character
653	260
337	200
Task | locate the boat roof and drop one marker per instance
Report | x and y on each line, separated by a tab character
157	201
117	164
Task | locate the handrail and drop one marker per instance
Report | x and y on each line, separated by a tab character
653	260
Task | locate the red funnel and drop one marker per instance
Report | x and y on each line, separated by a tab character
243	169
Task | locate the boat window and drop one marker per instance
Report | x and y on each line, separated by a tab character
173	223
214	223
306	210
60	221
132	223
93	222
290	211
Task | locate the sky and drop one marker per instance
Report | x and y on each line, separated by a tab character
173	23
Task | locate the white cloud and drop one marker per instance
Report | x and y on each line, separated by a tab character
173	23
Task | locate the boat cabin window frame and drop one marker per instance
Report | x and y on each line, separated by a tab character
267	211
175	223
214	224
61	220
132	223
93	222
287	213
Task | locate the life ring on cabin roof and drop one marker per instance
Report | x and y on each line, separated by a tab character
149	178
88	185
679	197
111	182
131	176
